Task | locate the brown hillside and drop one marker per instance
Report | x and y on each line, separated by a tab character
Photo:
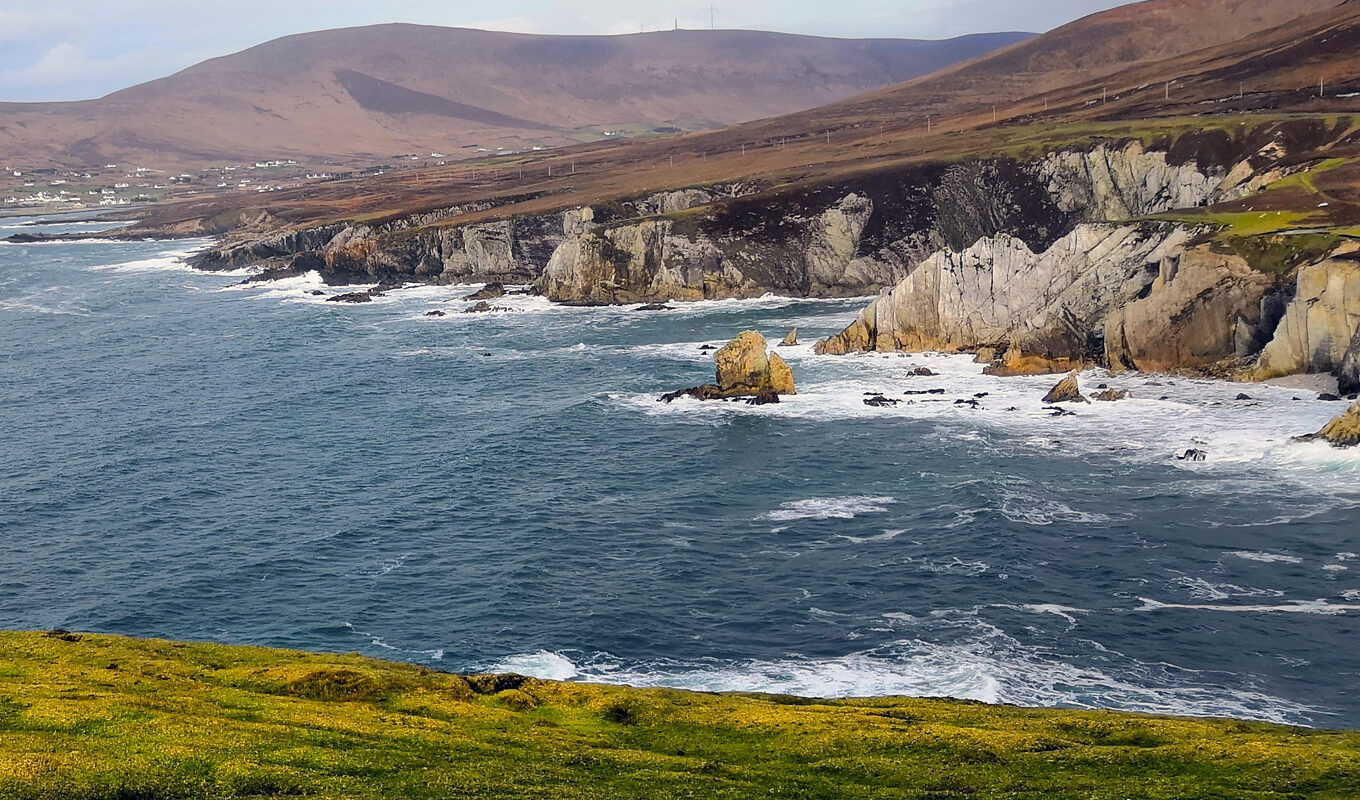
863	135
368	93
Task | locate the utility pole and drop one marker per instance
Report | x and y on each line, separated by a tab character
743	150
573	168
1321	94
712	17
1104	95
828	137
993	115
672	161
1168	90
927	123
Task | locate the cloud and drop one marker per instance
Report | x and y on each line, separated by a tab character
66	63
20	26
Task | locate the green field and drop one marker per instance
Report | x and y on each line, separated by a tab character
94	716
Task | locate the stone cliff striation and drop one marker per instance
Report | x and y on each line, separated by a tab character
1127	292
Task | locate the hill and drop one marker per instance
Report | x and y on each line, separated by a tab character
89	716
368	93
885	129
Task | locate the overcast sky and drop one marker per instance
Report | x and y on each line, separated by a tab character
77	49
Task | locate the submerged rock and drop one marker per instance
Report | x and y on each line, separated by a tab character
1193	455
352	297
1343	431
1112	395
654	307
1067	391
489	292
879	401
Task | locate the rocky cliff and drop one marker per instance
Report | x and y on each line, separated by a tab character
1138	295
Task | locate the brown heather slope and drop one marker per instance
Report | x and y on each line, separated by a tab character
368	93
795	149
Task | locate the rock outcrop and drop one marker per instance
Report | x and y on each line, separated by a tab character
1105	184
1343	431
1201	309
791	340
745	368
1320	326
1067	391
999	293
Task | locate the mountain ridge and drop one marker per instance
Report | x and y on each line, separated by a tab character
369	92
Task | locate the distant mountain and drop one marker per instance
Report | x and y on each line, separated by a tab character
1079	53
364	93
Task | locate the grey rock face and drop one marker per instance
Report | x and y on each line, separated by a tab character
999	293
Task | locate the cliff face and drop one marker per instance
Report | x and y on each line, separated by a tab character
1000	293
1145	296
1321	326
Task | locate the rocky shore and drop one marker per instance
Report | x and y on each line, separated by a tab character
1037	263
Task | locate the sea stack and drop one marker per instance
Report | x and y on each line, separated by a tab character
1067	391
745	368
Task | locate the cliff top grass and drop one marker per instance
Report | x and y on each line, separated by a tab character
90	716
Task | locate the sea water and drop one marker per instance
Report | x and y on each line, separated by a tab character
188	457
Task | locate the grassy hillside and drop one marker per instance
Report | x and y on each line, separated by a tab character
89	716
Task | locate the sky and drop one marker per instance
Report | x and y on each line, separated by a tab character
79	49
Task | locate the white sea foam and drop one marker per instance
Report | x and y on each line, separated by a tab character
1266	558
885	536
1201	589
1321	607
542	664
829	508
990	667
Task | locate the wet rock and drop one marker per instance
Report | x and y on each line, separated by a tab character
1327	398
744	369
1243	396
351	297
654	307
316	293
1343	431
1016	362
880	401
791	340
479	308
1193	455
764	398
489	292
1067	391
970	402
924	391
1060	412
1112	395
923	372
706	347
435	314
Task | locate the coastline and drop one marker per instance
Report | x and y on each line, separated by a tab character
90	715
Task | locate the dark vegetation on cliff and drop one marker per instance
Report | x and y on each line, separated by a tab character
92	717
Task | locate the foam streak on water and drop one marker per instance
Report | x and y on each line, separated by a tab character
193	457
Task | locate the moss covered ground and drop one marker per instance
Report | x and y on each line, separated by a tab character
92	716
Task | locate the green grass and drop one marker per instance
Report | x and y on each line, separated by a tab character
108	717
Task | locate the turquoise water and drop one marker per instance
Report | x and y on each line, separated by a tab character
188	458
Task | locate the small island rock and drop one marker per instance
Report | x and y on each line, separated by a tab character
1067	391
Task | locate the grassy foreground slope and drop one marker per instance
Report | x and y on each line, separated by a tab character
91	716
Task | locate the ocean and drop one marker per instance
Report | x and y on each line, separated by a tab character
191	458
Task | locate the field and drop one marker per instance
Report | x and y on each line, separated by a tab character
87	716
